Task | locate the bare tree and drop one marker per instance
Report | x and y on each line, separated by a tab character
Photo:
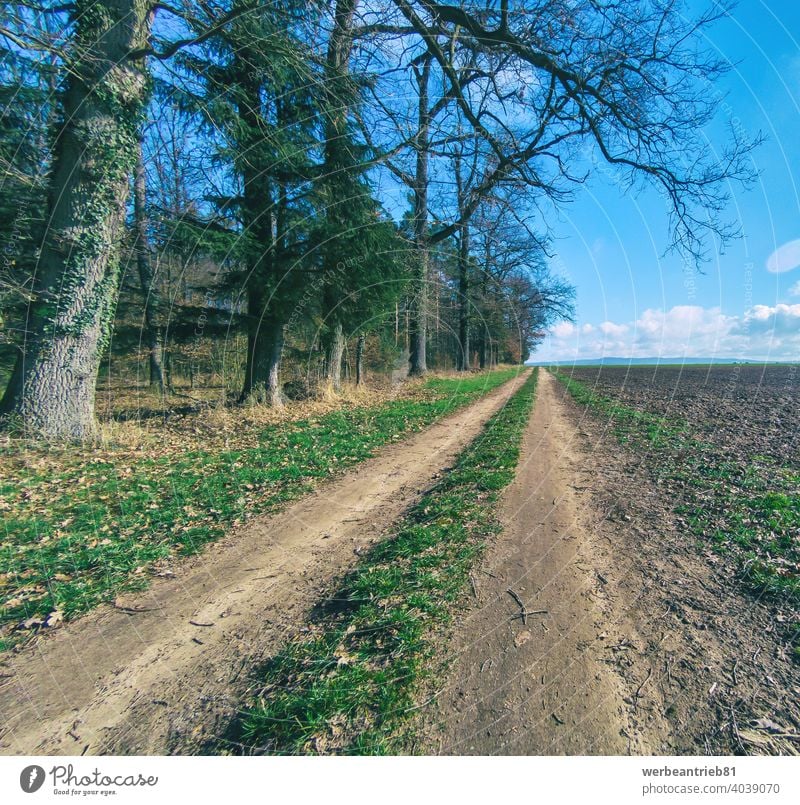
144	264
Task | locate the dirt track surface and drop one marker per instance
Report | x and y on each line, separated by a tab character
643	646
163	671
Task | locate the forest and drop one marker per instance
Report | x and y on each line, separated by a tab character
277	474
257	202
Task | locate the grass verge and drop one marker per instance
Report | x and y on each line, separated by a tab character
748	512
349	687
81	526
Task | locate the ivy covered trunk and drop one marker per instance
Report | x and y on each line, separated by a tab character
79	268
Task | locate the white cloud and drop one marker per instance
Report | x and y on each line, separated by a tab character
563	330
612	329
764	331
777	318
784	258
795	289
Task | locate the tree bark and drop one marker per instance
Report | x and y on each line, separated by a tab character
463	362
262	375
463	356
146	278
419	314
360	359
265	327
78	274
334	356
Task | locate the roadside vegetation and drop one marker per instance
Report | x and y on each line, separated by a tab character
79	526
351	685
746	507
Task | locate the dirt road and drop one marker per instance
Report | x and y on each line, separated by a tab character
635	644
163	671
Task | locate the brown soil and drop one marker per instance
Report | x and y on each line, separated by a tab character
643	647
163	671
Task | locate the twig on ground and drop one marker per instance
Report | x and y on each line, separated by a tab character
644	682
132	610
524	615
735	730
425	703
523	610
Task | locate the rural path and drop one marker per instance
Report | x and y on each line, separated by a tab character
546	686
163	671
644	644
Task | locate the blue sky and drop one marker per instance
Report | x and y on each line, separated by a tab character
632	300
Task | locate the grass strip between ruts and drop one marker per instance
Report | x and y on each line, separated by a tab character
350	685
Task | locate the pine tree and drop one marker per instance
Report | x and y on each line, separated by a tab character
259	93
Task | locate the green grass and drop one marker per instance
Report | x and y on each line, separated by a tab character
351	685
745	509
78	530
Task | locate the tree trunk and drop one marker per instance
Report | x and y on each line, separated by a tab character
462	358
265	327
419	313
262	375
168	368
79	268
143	262
338	161
360	359
335	353
13	391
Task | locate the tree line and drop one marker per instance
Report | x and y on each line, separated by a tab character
285	192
